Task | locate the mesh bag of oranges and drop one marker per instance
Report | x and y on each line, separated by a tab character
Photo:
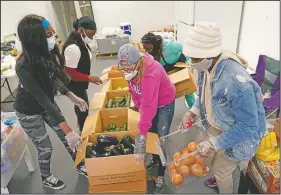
179	155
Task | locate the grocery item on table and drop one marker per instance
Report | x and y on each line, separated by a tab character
110	146
113	128
6	127
117	102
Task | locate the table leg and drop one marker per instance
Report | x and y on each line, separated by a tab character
4	191
28	160
9	88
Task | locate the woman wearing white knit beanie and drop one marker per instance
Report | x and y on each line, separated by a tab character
229	105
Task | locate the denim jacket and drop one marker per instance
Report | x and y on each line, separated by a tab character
237	109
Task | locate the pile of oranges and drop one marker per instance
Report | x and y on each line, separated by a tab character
191	165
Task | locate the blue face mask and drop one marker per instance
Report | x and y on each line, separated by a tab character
51	42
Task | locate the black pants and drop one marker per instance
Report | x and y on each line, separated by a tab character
81	116
161	124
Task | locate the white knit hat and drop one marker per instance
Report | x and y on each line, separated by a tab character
203	40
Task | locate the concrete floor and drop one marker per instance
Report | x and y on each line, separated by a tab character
24	182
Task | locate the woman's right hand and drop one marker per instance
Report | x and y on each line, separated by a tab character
72	138
187	117
74	141
96	80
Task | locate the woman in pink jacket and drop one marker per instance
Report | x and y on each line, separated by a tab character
153	95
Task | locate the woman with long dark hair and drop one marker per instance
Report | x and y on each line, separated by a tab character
39	80
78	58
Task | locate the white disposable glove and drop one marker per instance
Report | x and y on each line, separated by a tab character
206	148
140	147
185	121
74	141
82	105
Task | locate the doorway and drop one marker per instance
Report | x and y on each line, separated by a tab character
65	12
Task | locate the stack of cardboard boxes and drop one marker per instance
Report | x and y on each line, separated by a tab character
266	175
120	174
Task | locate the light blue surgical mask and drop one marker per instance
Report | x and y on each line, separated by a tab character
51	42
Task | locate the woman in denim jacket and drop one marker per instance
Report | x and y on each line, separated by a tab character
229	104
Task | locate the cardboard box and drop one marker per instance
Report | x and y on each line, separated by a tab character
97	122
134	187
184	81
111	75
100	100
277	128
114	84
270	174
115	174
111	68
174	71
257	178
181	65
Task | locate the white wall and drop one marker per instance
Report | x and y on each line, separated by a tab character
260	32
11	13
142	15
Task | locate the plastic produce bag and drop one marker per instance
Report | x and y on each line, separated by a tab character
179	154
166	35
13	145
111	31
268	149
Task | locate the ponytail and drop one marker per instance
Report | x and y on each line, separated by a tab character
141	70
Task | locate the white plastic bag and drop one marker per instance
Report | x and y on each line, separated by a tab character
112	31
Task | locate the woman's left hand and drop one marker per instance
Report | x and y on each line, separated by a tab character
140	147
139	158
206	148
82	105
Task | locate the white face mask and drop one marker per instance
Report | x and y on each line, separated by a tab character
51	42
203	65
86	40
129	76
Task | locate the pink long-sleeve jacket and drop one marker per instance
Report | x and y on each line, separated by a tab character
155	90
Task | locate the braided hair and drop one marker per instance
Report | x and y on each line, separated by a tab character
156	41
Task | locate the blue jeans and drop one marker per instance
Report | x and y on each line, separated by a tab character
161	124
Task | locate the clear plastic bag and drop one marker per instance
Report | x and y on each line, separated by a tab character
112	31
12	147
175	155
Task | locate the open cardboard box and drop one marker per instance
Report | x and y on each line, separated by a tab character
112	74
183	79
100	100
114	84
115	174
111	68
97	122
